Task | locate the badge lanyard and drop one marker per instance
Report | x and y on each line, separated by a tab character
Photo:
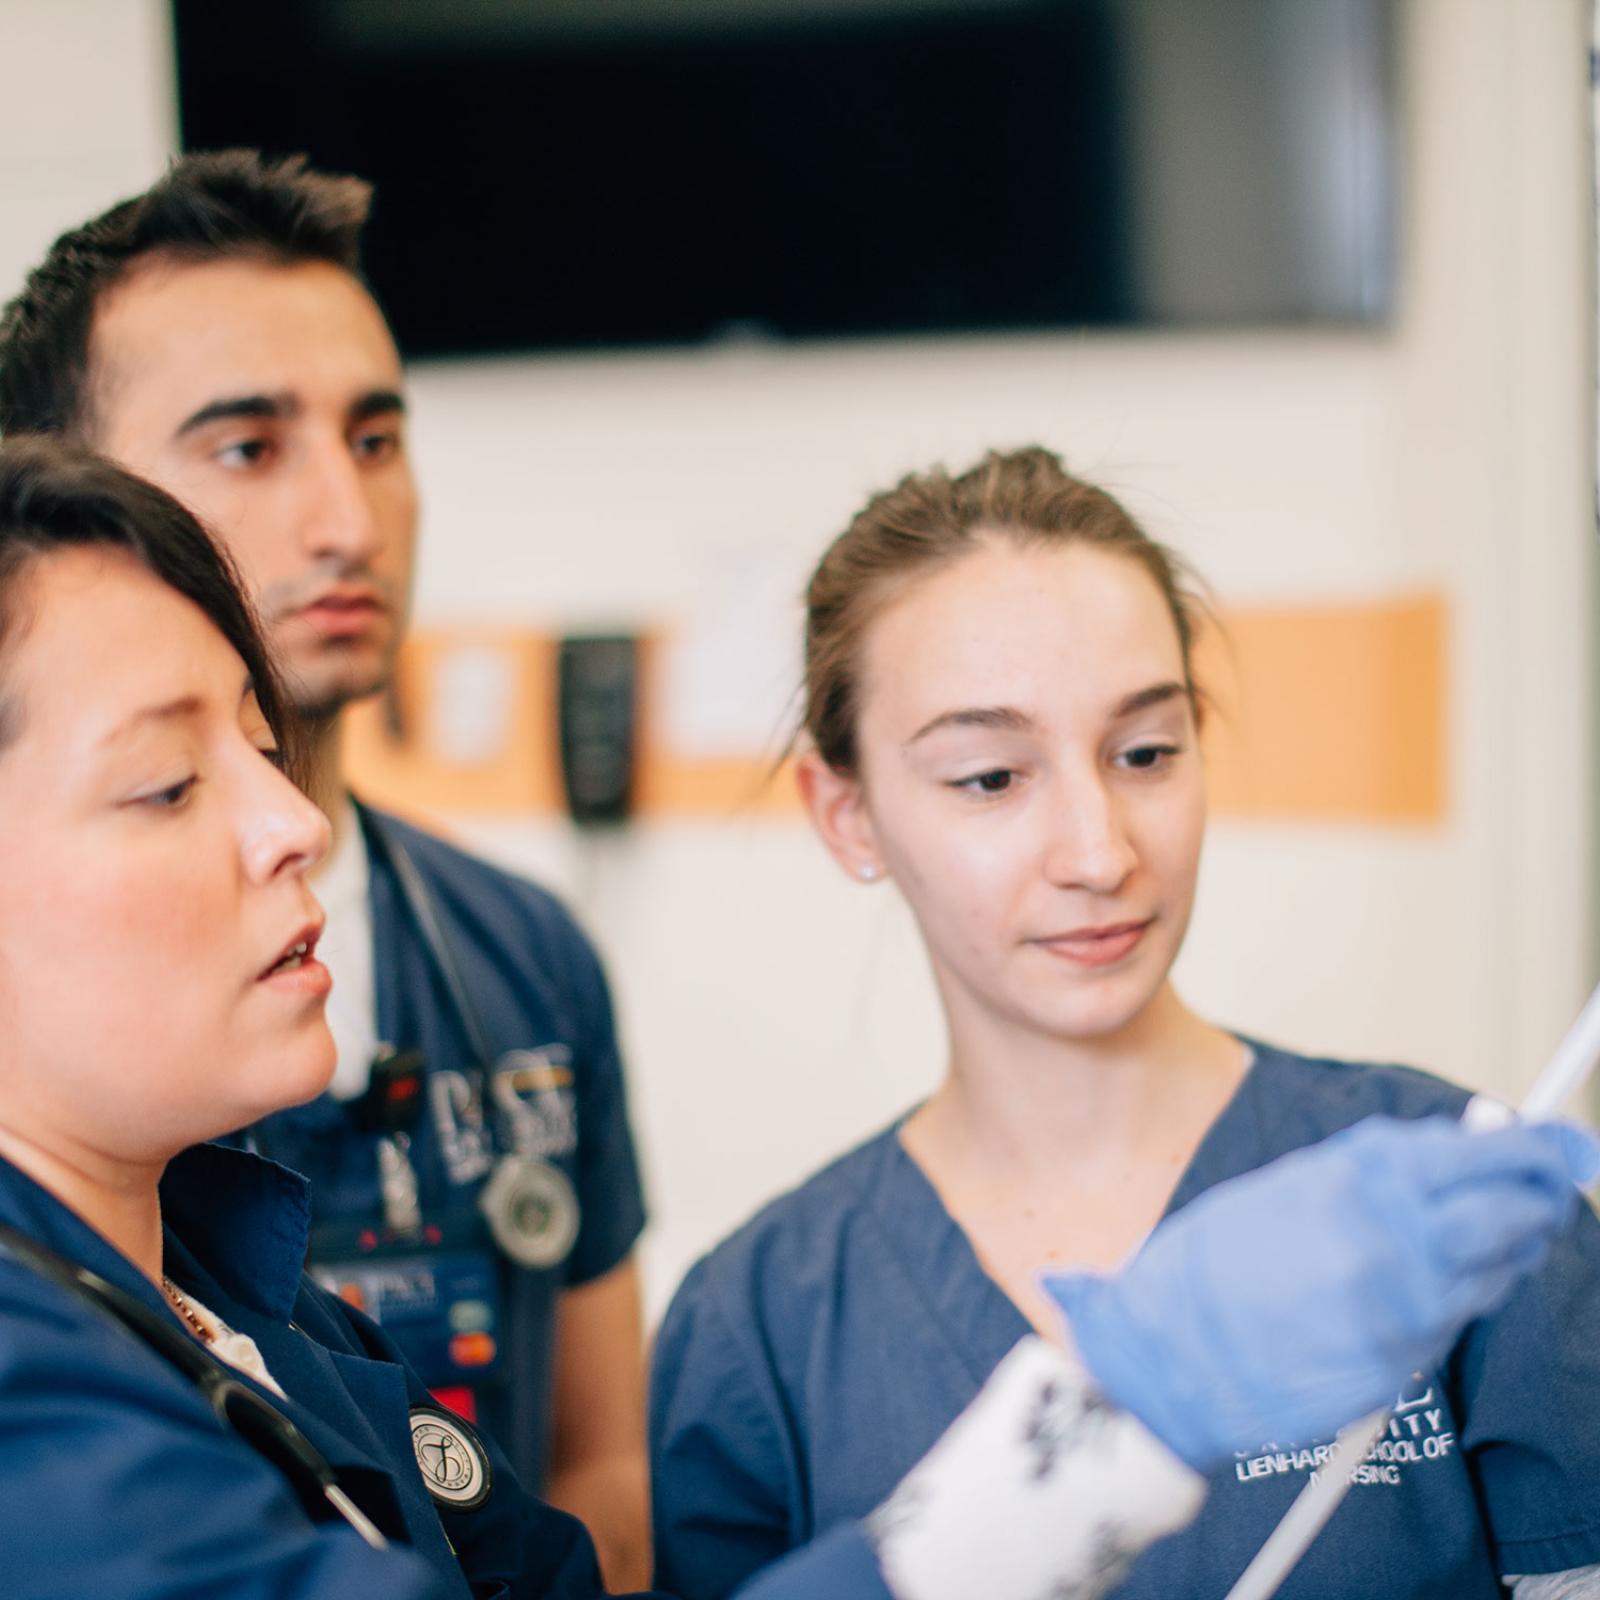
256	1420
529	1203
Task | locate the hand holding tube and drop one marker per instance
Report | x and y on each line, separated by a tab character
1287	1302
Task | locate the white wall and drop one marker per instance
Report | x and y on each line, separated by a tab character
775	1013
87	115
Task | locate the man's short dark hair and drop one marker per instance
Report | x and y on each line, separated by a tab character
209	206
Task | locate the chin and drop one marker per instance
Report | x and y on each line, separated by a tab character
318	1078
298	1076
319	694
1088	1030
1090	1017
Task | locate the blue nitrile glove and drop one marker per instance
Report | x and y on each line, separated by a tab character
1290	1301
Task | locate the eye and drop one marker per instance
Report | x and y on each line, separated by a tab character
275	756
376	445
252	452
173	798
1148	757
996	781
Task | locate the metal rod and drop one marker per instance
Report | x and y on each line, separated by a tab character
1312	1507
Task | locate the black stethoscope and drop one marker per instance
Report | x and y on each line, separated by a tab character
256	1420
529	1203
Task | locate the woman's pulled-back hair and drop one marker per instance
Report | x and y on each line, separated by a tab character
930	519
55	496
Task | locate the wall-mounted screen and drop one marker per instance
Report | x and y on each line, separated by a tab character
589	173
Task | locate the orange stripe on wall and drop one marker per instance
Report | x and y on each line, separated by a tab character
1330	712
1317	713
391	754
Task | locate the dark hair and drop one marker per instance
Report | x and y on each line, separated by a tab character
210	206
930	519
56	496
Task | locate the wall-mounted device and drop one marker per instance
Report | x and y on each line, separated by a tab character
597	697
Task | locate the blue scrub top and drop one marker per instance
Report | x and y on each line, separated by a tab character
813	1357
117	1480
542	998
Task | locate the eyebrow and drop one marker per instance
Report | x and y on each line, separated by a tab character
1008	719
243	405
1003	717
1142	699
185	705
377	403
188	705
281	406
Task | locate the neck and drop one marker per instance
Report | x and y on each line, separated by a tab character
325	773
120	1200
1017	1105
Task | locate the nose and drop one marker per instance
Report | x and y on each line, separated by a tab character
1089	846
281	830
339	516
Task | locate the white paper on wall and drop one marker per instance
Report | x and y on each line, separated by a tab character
731	664
473	693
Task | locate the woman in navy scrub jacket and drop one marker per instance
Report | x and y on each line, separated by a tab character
183	1412
159	987
1001	717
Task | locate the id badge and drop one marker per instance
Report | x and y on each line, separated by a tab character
442	1308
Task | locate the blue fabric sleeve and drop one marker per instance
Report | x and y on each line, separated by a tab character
839	1566
1527	1390
610	1195
116	1481
724	1488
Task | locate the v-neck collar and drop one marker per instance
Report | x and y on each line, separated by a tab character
1233	1142
244	1217
976	1316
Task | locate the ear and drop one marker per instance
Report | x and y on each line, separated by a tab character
838	810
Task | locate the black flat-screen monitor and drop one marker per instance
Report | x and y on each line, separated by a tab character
588	173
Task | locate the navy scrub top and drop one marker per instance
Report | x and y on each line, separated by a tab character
542	998
116	1479
815	1355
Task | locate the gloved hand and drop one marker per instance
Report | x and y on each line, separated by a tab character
1292	1300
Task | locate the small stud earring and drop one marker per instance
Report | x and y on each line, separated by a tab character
867	872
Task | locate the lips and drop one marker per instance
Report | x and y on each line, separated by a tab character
296	953
1097	947
347	597
344	610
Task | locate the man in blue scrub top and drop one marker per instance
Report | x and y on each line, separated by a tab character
474	1177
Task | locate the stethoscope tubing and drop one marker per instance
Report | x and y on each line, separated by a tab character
268	1431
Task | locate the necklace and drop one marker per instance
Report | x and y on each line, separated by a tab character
180	1304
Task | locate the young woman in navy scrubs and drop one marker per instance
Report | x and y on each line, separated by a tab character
1001	717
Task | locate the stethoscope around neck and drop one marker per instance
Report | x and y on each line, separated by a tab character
441	952
529	1203
237	1407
